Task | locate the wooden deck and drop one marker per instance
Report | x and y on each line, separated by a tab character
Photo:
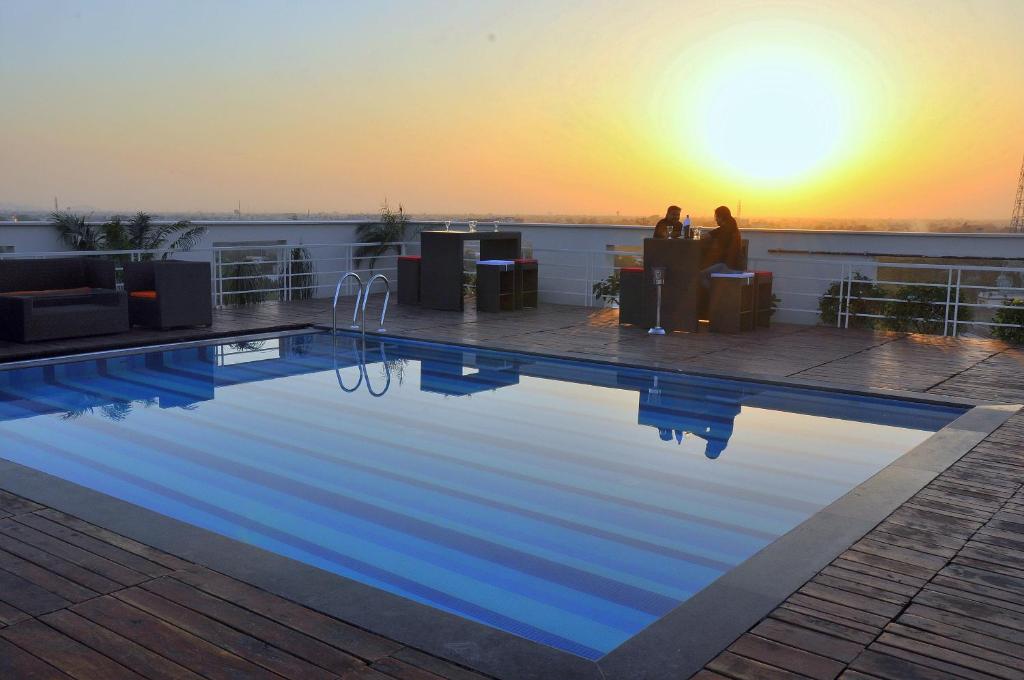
934	591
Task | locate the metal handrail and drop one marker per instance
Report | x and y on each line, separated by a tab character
364	376
366	296
334	304
387	372
337	369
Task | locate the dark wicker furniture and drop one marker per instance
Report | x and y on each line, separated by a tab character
409	279
54	298
631	295
169	293
732	303
495	286
527	283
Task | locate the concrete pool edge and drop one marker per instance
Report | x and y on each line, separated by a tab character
750	591
669	647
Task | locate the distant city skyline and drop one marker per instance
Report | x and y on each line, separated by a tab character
866	110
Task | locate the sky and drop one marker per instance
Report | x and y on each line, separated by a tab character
881	109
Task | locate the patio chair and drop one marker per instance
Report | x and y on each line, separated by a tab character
169	293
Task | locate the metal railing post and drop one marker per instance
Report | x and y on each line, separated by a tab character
839	302
949	290
956	304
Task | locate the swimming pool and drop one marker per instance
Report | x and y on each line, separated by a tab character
572	504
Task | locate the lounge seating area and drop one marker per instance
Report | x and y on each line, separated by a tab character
46	299
54	298
168	293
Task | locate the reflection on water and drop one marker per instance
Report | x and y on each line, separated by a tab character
677	407
570	503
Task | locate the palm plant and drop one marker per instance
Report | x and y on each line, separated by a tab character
384	235
139	233
75	231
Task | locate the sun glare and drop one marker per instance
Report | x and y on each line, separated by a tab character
774	118
773	105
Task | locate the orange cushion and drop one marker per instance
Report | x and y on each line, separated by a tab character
56	291
144	294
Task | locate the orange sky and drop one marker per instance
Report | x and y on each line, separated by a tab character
868	109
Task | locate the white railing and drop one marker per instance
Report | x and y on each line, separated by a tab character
957	297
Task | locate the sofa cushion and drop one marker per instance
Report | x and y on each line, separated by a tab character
143	294
47	293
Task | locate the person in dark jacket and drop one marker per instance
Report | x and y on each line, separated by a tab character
725	250
670	226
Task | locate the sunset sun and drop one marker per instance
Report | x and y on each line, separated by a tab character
774	118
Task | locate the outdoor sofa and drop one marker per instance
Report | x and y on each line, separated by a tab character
169	293
61	297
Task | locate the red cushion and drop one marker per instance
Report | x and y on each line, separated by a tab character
633	269
525	260
143	294
763	275
409	257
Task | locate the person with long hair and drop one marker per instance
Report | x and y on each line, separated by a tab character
724	253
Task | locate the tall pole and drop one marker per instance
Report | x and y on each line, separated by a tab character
1017	221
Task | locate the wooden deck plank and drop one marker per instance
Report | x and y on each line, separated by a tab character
440	667
181	647
45	579
961	621
336	633
57	565
815	642
823	623
238	643
72	553
783	656
27	596
270	632
926	652
127	544
122	650
852	600
738	667
62	652
1012	650
879	664
17	664
16	505
95	545
402	671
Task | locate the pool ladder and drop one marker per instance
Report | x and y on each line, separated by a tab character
364	295
364	376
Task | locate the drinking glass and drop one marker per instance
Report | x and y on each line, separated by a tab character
447	225
472	226
495	225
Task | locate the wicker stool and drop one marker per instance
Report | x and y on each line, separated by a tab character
495	286
526	279
732	302
762	299
409	279
631	295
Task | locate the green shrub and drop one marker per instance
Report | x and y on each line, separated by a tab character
302	278
608	288
829	304
1013	316
248	283
920	309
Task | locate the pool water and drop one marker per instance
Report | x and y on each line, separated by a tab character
569	503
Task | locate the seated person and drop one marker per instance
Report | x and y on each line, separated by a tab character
725	250
671	226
